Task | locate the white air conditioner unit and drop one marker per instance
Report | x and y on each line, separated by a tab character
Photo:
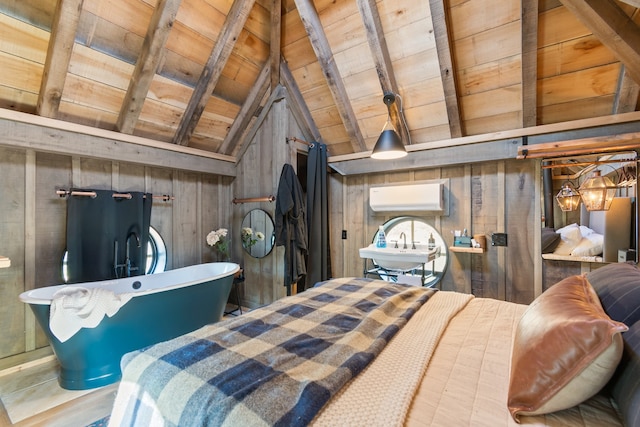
410	197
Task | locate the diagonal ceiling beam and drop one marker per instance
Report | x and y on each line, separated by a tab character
247	112
147	64
613	28
440	20
277	94
380	53
320	44
220	53
63	34
529	12
297	105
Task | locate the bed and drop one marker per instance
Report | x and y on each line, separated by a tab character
571	358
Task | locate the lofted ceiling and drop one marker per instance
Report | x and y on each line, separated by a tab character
198	72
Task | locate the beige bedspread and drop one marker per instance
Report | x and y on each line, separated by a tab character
463	382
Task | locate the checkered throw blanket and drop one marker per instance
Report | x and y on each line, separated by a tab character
277	365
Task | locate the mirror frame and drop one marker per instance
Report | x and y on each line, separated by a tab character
269	235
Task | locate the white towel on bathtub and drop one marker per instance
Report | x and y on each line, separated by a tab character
74	307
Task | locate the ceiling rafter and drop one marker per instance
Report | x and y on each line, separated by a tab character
380	53
297	105
627	93
529	16
440	19
276	37
212	71
147	64
317	37
277	95
248	111
63	34
613	28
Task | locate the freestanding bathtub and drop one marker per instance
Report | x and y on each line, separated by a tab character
163	306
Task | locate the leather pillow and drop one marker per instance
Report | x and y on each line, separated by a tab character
565	350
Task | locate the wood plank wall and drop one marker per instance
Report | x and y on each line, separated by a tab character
484	198
258	175
33	222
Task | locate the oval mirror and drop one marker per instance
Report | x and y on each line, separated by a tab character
257	233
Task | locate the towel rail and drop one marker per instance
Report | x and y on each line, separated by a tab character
269	198
92	194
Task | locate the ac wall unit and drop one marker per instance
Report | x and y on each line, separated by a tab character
411	197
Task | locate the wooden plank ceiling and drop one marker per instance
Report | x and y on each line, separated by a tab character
199	72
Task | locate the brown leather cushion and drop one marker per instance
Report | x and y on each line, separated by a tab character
565	350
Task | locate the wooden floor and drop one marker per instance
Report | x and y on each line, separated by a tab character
30	395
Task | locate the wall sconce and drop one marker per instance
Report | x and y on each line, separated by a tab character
389	144
597	192
568	197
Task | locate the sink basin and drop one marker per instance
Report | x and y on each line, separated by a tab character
392	258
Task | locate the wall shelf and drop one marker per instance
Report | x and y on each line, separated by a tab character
466	250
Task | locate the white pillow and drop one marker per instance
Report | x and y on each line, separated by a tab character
570	237
590	245
585	230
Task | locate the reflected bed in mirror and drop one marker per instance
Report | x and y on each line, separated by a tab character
577	227
257	233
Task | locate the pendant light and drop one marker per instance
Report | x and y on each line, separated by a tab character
568	197
389	144
597	192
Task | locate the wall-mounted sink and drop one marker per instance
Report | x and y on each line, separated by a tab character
392	258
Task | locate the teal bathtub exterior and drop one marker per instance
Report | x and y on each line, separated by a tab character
165	305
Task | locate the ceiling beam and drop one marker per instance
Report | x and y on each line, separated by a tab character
220	53
613	28
147	64
63	34
276	37
529	16
247	112
277	94
320	44
627	93
297	105
440	19
380	53
28	131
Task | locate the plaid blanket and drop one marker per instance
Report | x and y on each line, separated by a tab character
277	365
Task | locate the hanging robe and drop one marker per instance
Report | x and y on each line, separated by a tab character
291	226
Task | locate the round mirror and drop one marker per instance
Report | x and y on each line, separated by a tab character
257	233
413	231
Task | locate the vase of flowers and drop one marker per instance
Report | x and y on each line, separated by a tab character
249	238
218	240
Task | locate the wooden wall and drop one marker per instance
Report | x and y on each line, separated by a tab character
488	197
258	175
33	222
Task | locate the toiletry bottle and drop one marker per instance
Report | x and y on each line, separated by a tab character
382	240
431	243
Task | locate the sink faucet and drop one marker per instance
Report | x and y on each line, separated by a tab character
128	260
404	236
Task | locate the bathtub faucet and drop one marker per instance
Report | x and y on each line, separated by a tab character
128	259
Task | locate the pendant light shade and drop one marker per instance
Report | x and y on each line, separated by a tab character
568	198
389	144
597	192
